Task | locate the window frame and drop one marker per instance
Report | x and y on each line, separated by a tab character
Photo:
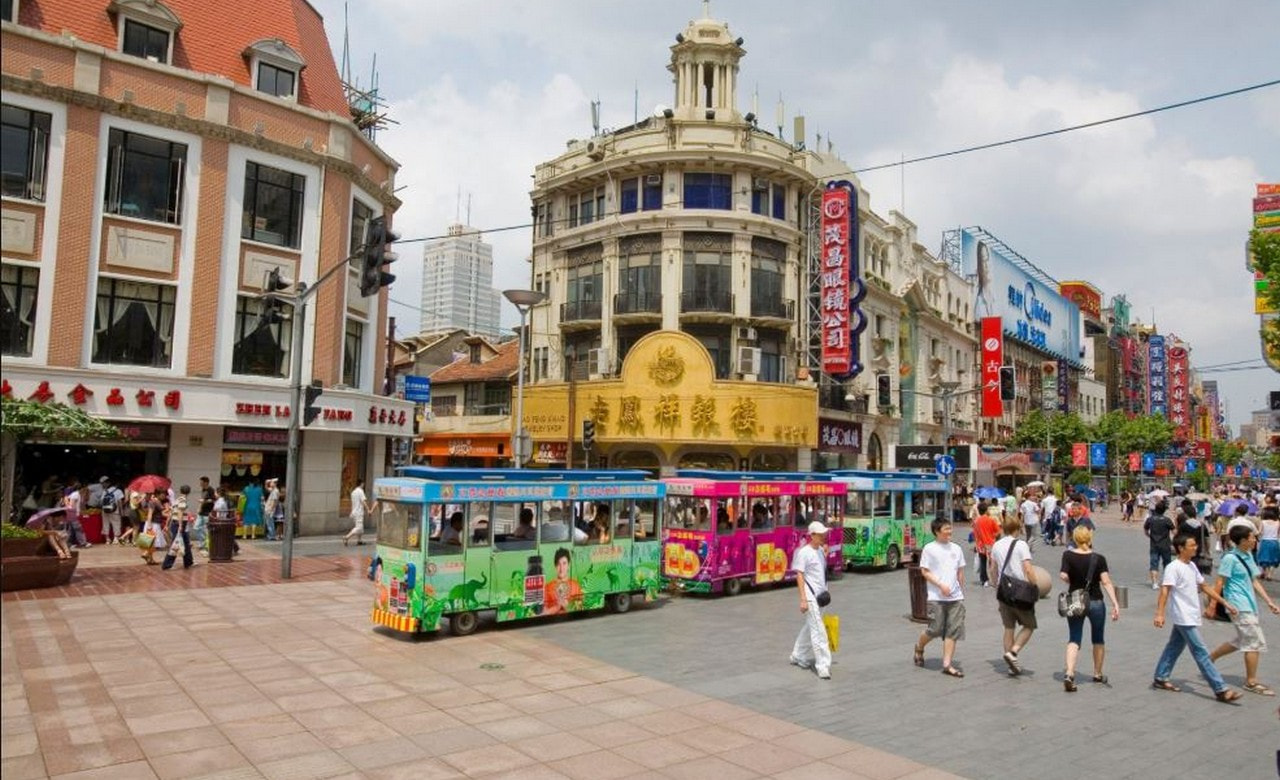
119	151
352	365
247	315
150	28
718	187
294	75
19	286
14	11
112	283
250	213
38	131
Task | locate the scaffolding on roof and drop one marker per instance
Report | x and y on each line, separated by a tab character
368	109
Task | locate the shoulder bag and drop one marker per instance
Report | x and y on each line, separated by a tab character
1074	603
1013	591
1219	612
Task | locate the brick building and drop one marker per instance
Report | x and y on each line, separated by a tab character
160	157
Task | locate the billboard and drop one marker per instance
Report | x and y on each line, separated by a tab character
992	359
1179	368
1034	313
1120	309
1083	295
841	282
1157	396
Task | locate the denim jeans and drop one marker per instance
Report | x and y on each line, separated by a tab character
1189	636
200	530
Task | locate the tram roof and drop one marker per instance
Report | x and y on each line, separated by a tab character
891	479
754	476
445	474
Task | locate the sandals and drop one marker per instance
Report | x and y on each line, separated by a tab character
1069	684
951	671
1228	696
1100	678
1259	689
1165	685
917	657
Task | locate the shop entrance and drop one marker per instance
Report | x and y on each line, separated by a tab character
49	468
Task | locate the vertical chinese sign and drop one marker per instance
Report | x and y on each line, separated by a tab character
1180	392
992	359
841	287
1157	398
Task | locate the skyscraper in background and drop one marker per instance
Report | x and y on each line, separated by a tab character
457	283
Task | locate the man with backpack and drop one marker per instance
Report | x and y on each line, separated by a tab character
110	503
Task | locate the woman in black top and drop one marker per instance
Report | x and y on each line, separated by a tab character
1075	572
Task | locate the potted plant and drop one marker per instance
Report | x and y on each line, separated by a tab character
15	540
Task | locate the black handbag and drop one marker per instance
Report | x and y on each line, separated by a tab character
1074	603
1013	591
823	598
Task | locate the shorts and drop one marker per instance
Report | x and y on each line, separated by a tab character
1249	638
1159	558
946	619
1010	616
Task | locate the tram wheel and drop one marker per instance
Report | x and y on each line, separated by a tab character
463	623
620	602
892	558
732	587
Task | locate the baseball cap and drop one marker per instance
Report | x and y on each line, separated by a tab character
104	480
816	527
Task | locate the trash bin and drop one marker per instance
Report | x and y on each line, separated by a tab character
222	539
919	595
1122	596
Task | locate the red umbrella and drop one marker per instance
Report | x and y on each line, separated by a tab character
148	483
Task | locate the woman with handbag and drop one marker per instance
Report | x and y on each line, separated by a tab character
1087	578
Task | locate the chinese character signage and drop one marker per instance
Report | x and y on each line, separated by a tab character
992	359
1156	370
1179	391
1049	385
1084	295
842	286
1064	387
839	436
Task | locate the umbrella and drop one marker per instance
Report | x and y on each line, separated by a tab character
148	483
1198	496
1034	483
1159	493
1228	507
988	492
38	520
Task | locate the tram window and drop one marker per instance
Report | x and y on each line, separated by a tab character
882	503
926	504
555	525
726	516
858	504
480	527
452	532
642	517
514	526
399	525
595	523
762	515
783	515
688	513
901	509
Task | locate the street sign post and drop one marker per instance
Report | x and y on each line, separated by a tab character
945	465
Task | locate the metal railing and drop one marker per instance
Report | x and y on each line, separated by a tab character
633	303
773	308
571	311
706	301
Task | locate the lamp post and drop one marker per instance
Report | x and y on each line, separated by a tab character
950	392
523	300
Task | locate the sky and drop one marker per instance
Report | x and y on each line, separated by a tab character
1155	208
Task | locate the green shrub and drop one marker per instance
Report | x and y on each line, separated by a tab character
11	531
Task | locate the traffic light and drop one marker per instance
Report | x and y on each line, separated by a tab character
884	390
1008	384
588	434
377	253
272	307
310	393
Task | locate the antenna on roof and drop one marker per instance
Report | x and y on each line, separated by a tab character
595	116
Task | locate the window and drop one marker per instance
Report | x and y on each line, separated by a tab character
768	198
444	406
716	340
587	207
144	177
640	285
9	10
400	525
543	226
143	40
275	80
583	294
18	286
360	216
627	336
707	273
352	352
708	191
541	358
24	149
767	258
262	341
273	205
576	353
772	364
133	324
643	193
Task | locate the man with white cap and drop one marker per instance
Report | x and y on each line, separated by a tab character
810	565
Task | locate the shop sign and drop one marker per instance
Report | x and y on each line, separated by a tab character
992	359
340	415
384	416
247	409
1064	387
1049	385
259	436
839	436
922	456
551	452
1180	392
1156	375
842	287
1085	296
241	458
417	389
152	433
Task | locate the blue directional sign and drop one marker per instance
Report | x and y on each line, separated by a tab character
1148	461
945	465
1239	471
1098	455
417	389
1191	465
1218	468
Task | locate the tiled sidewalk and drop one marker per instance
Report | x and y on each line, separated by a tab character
289	681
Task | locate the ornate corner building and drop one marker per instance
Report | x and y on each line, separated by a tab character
161	157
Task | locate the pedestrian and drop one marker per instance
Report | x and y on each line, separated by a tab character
359	506
1077	517
1084	569
942	566
179	531
269	507
1051	516
1182	580
986	527
156	512
1159	530
1126	506
111	502
1238	583
1268	554
251	515
131	518
200	536
812	649
1011	557
1189	524
73	501
1030	510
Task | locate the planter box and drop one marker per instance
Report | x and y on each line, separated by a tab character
23	547
36	571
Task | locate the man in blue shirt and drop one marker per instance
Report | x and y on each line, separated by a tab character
1238	584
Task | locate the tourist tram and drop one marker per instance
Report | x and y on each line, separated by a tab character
888	514
520	542
728	529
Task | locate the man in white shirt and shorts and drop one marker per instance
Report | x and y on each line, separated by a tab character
1017	553
942	565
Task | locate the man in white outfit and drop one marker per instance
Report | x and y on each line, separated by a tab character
359	506
810	564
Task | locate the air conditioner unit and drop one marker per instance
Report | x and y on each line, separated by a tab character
595	150
938	415
748	334
759	184
653	180
749	360
598	365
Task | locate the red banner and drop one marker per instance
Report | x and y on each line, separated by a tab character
992	359
1179	391
1181	465
1200	449
1135	461
837	356
1079	454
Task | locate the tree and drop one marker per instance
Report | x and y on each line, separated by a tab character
1264	251
1228	453
21	420
1057	431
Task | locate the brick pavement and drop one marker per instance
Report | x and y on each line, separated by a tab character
986	725
289	681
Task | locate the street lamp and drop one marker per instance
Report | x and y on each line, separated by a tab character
523	300
950	391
